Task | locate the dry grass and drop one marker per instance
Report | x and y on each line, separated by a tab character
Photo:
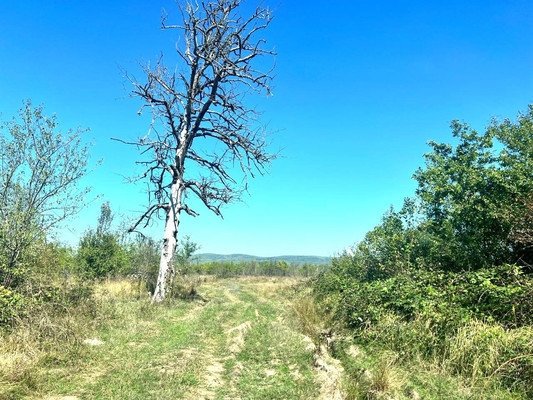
310	319
385	380
490	355
41	339
117	288
53	334
237	342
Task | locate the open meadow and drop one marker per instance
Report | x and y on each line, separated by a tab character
235	338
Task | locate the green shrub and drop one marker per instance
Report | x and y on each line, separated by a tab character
101	255
408	296
100	252
436	279
503	295
11	306
14	276
474	323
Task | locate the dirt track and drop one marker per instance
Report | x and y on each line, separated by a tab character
260	311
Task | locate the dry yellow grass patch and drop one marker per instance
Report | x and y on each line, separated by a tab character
269	287
116	288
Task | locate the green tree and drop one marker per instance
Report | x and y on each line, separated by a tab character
461	190
100	253
516	160
184	254
475	194
473	207
40	172
399	243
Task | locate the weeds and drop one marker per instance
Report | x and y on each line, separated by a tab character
186	287
481	351
50	334
465	325
310	321
384	379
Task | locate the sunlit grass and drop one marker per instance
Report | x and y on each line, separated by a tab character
376	372
223	344
242	338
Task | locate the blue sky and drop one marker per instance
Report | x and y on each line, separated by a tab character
360	88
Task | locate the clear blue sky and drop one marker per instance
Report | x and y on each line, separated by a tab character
360	88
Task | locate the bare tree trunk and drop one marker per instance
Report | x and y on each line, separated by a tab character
165	278
203	99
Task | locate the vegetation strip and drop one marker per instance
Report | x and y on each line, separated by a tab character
239	344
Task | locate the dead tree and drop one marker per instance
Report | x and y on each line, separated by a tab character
203	139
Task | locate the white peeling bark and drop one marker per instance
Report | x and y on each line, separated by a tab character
167	272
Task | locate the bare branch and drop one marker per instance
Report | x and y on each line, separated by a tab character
203	138
147	216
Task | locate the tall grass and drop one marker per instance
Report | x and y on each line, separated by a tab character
58	318
480	350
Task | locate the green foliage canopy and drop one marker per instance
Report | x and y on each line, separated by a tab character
40	172
100	253
473	194
462	244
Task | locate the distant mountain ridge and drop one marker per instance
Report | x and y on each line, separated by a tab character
211	257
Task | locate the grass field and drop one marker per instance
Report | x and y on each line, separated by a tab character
238	341
240	338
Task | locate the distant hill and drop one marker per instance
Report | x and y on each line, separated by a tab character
210	257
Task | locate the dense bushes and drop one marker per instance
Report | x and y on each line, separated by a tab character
100	254
11	305
49	280
448	277
476	323
40	174
502	294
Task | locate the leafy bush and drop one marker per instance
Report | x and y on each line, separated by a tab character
100	253
11	306
474	323
144	253
503	294
62	294
14	276
449	276
40	276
